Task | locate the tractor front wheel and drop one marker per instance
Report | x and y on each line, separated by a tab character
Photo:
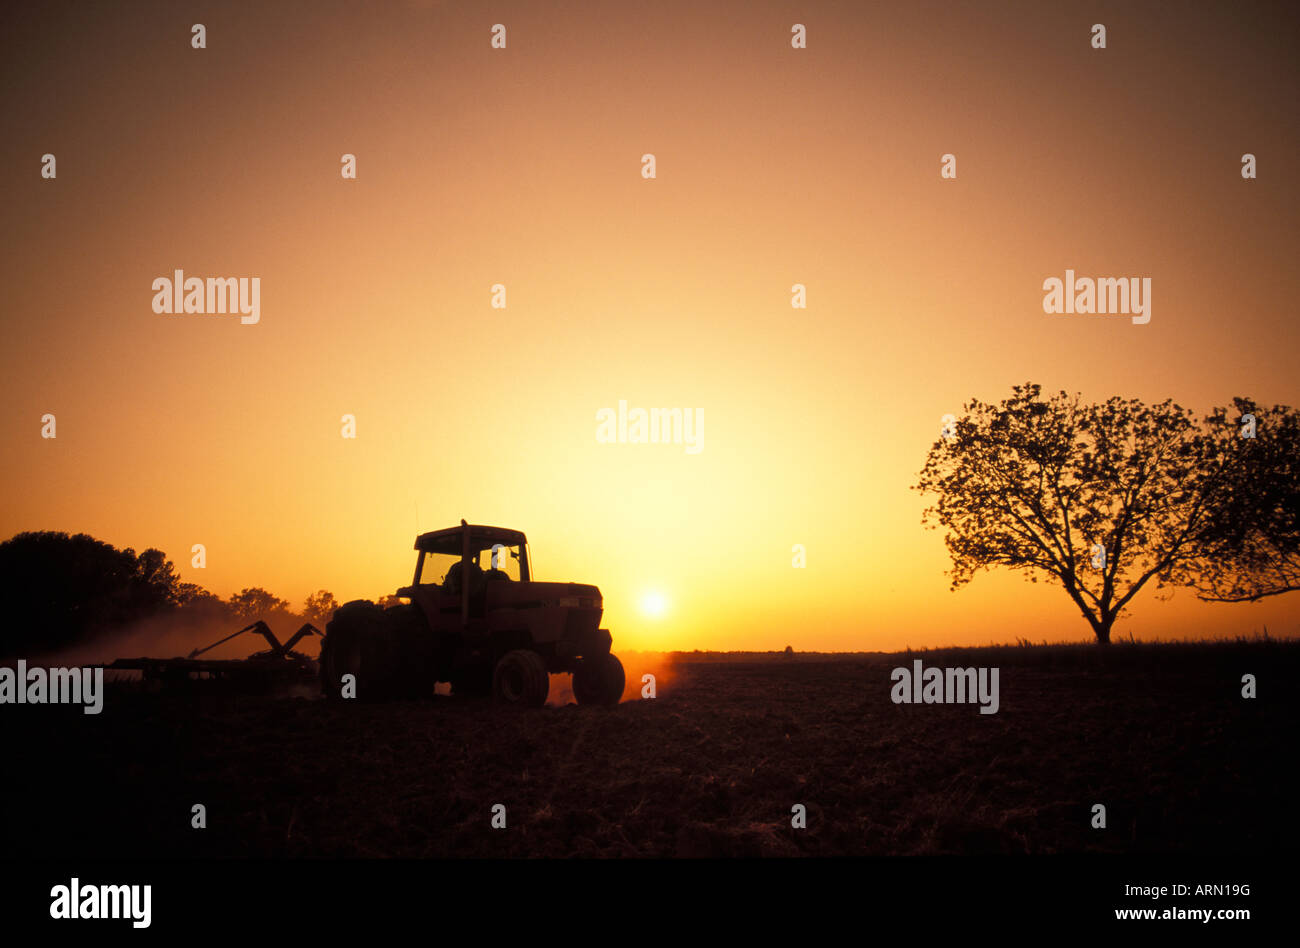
599	679
520	679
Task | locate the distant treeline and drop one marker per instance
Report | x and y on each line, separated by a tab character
61	590
788	654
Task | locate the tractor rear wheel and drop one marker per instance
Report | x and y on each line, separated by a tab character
343	650
387	653
520	679
599	679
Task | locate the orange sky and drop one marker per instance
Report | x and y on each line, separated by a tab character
522	166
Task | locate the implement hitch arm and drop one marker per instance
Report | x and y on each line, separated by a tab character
266	633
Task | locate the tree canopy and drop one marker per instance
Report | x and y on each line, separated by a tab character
59	589
1105	499
62	589
1252	541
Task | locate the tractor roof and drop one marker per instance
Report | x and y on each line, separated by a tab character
480	538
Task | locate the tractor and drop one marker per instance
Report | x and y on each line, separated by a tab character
475	618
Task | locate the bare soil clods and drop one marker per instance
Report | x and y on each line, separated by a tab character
711	767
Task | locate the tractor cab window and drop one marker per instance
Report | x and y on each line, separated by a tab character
500	561
435	567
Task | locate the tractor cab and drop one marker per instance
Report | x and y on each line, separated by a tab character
456	565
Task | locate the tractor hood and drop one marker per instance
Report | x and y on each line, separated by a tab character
536	595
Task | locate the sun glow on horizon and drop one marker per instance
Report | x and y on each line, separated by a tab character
653	604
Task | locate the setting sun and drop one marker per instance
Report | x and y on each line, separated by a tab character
653	604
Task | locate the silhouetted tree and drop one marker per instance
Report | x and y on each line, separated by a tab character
59	589
203	609
389	600
1252	542
156	584
255	602
1101	499
319	607
192	594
